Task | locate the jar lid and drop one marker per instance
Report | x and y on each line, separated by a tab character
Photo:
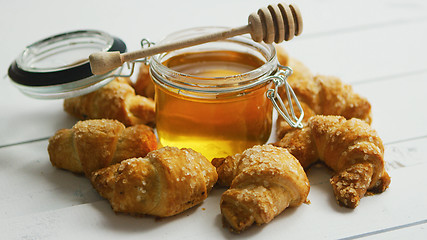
58	66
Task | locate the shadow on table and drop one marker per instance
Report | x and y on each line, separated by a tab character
319	176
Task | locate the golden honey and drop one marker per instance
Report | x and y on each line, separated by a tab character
213	99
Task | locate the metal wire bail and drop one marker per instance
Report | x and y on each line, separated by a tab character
131	65
279	80
145	42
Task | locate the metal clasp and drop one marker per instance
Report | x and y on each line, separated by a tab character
279	80
145	43
131	65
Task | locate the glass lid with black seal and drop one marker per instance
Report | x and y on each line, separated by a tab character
58	66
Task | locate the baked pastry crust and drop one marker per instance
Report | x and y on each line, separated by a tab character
93	144
116	100
144	85
351	148
263	180
166	182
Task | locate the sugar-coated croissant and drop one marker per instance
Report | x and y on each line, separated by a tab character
166	182
93	144
351	148
263	180
323	95
116	100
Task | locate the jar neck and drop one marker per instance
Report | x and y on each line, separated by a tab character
166	77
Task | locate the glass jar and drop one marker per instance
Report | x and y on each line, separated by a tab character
213	97
58	66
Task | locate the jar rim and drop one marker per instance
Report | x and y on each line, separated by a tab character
58	67
197	83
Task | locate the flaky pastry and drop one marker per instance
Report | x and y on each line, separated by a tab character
144	85
263	180
116	100
93	144
166	182
351	148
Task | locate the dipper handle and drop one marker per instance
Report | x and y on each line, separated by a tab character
274	23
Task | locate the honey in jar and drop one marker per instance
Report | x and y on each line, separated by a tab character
212	97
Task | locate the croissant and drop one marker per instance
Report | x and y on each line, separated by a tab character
323	95
166	182
116	100
263	180
351	148
93	144
144	85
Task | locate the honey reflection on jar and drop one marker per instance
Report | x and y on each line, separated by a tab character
213	101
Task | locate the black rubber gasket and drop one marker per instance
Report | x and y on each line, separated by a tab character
27	78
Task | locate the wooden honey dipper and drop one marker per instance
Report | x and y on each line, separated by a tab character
274	23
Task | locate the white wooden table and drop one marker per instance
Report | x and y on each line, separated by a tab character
377	46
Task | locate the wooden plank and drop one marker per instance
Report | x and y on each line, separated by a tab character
39	196
365	54
378	46
326	50
325	218
392	107
397	105
32	185
416	230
